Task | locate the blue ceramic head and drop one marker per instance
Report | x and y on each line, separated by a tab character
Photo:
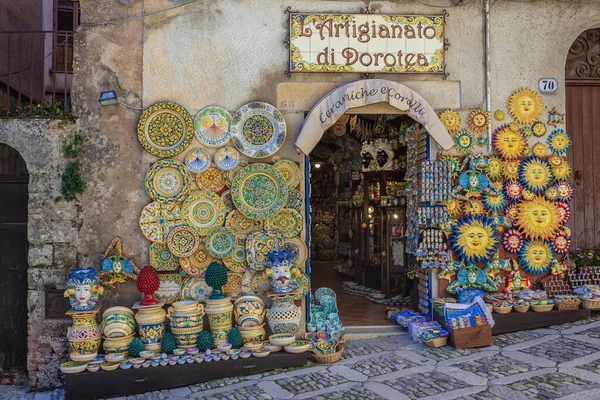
83	289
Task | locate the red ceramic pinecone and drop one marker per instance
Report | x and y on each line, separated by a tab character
148	281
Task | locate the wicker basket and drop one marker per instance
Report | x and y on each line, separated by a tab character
437	342
563	305
522	309
330	358
489	307
503	310
591	304
542	307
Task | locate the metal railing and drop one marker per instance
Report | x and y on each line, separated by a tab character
36	71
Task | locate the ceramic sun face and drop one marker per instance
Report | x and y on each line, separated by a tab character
499	115
474	207
551	193
536	257
464	142
539	150
479	120
525	106
513	190
559	142
565	191
453	206
454	163
494	168
451	120
512	212
508	143
538	218
562	172
556	161
535	174
494	202
512	240
510	169
560	244
538	129
474	239
564	212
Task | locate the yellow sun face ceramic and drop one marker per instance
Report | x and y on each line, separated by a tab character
535	174
539	150
494	168
464	141
559	142
528	195
538	218
479	120
563	171
453	206
499	115
525	106
538	256
474	207
510	169
508	143
474	239
538	129
451	120
555	160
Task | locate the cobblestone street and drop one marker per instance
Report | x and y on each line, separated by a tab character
561	362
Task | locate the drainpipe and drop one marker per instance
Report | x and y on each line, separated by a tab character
485	6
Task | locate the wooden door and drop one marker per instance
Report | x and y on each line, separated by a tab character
583	124
13	265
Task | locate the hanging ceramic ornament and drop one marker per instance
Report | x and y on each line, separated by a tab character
538	129
535	174
212	126
471	277
513	190
528	194
512	240
211	179
551	194
474	207
539	150
494	202
165	129
183	241
494	168
451	120
161	259
116	268
527	131
509	142
196	160
290	171
536	257
203	210
510	169
512	212
168	181
559	142
538	218
454	164
454	206
499	115
258	130
560	244
565	191
464	142
227	158
555	118
525	106
479	120
562	172
474	239
157	219
564	211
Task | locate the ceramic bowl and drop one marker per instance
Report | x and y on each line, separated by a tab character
208	358
107	366
163	363
146	354
249	321
118	322
272	348
147	363
261	353
93	367
115	357
216	357
249	311
225	357
181	361
233	351
208	352
282	339
155	363
100	358
245	354
235	356
253	346
125	365
172	361
224	347
199	359
193	351
179	352
117	345
72	367
138	360
157	357
253	334
299	346
190	360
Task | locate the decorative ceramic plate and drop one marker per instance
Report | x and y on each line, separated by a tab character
227	158
72	367
165	129
195	289
220	242
294	200
256	284
236	262
288	222
212	126
158	219
161	259
259	244
170	288
212	179
241	225
298	249
258	130
168	181
303	286
196	264
228	201
183	241
230	176
290	172
197	160
259	191
233	287
203	210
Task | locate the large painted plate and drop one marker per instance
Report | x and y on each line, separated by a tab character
259	191
161	259
195	289
290	172
233	287
303	286
236	261
227	158
220	242
197	160
297	247
212	126
289	222
258	130
168	181
294	200
203	210
230	176
165	129
228	201
196	264
241	225
169	290
259	244
256	284
212	179
183	241
157	219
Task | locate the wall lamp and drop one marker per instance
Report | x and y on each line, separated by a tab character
108	98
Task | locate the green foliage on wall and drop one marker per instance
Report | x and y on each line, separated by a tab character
72	184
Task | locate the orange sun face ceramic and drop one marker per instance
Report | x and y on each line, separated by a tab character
538	218
509	143
451	120
479	120
525	106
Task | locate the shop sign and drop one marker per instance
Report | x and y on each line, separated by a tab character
367	43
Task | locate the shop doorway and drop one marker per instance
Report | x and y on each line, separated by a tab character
14	245
583	124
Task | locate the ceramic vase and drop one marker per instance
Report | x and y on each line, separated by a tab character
249	311
84	336
186	322
118	322
219	312
151	321
253	334
284	316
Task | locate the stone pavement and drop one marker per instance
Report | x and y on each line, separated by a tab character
561	362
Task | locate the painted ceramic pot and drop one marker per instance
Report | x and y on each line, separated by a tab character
151	323
253	334
249	311
117	345
219	312
186	322
84	336
284	316
118	322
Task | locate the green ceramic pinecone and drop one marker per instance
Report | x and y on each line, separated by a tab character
168	343
216	275
205	341
234	337
136	346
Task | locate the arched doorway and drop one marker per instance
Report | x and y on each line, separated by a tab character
14	180
583	123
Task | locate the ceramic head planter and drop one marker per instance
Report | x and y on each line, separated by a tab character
83	289
385	155
116	268
281	272
367	156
